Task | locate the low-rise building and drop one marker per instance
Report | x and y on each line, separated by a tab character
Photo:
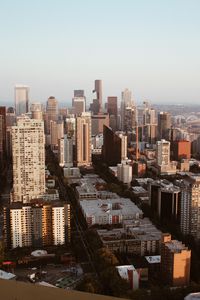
109	211
137	237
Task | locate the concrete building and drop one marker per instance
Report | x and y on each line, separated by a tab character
2	137
36	111
164	125
130	274
175	262
137	237
109	211
113	112
51	111
190	205
60	219
66	152
78	105
96	106
83	140
98	121
181	150
124	172
56	132
28	159
126	101
165	199
21	99
114	146
37	224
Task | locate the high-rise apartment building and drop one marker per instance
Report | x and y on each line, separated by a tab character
21	99
66	152
37	224
190	206
83	139
28	159
163	152
164	125
175	262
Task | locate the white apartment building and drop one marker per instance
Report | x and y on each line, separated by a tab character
124	172
163	152
58	225
66	152
21	227
28	159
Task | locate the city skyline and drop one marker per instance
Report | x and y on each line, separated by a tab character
56	47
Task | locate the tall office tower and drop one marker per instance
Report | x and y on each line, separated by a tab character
165	200
129	121
21	99
96	106
98	121
83	139
70	125
190	206
78	105
2	137
36	111
175	262
164	125
56	132
28	159
52	111
149	133
114	148
66	152
79	93
163	152
63	112
112	111
10	121
126	101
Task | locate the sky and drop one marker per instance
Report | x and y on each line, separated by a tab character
151	47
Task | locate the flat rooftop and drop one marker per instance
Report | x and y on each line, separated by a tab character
121	206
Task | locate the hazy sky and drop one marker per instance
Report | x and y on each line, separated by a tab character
55	46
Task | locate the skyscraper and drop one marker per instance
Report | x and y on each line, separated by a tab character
113	112
78	104
96	106
21	99
2	136
126	101
52	111
83	139
28	159
163	152
66	152
164	125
